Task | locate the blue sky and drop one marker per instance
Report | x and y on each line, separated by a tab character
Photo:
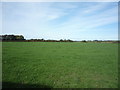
61	20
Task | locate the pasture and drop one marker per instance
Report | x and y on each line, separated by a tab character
59	65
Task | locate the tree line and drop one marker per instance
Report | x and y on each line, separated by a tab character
43	40
21	38
11	37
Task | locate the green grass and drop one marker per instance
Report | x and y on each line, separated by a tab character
60	64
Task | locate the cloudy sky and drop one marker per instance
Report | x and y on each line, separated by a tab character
61	20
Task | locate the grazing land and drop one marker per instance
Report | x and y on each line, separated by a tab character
60	64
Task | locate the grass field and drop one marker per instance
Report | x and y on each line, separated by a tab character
60	64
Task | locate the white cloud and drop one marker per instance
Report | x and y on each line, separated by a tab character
82	22
36	19
95	8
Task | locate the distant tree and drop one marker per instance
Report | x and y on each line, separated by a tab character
95	40
84	41
19	37
12	37
61	40
42	39
69	40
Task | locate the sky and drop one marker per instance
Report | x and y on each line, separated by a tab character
61	20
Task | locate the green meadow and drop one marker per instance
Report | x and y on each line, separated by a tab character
59	65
